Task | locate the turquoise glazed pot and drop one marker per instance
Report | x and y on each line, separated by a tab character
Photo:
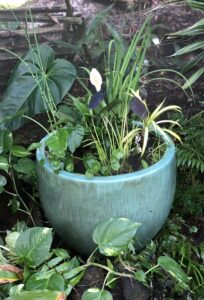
75	205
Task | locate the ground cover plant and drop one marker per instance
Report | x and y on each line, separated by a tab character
171	266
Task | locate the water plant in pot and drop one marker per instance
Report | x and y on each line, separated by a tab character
107	155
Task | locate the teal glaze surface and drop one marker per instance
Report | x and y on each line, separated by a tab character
75	205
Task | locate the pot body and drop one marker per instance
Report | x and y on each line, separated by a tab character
75	205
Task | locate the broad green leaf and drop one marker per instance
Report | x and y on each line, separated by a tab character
4	164
57	142
114	235
25	166
38	295
62	253
76	279
20	151
50	281
173	268
96	294
116	156
33	245
75	138
73	272
68	266
33	146
9	273
38	77
6	140
91	163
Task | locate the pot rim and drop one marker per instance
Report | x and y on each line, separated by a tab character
167	157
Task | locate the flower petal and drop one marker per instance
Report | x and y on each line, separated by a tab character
96	99
96	79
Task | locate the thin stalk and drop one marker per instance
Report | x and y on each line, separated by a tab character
33	120
109	270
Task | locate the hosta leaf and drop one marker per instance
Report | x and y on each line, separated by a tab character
173	268
39	295
114	235
39	74
33	245
96	294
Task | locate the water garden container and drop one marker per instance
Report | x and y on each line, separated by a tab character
75	205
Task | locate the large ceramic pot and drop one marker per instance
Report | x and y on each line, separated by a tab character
75	205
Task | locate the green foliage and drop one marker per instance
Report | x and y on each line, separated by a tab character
190	154
38	294
113	236
33	246
53	273
105	124
37	84
194	31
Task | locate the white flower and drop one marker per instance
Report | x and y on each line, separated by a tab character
96	79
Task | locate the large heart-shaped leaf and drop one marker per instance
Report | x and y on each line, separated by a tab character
96	294
39	295
38	74
114	235
33	245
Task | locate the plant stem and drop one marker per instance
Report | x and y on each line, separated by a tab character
31	119
108	270
151	269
